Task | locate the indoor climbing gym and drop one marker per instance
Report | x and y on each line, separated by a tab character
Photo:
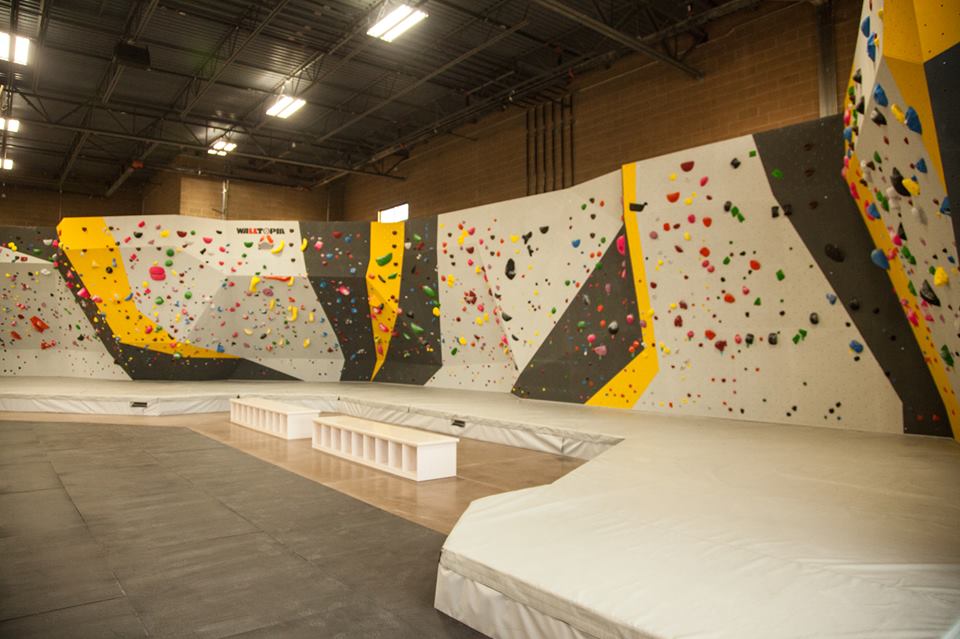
519	319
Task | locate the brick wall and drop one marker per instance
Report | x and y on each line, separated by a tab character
23	206
161	196
761	73
203	197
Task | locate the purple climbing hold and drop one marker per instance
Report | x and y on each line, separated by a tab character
880	96
880	259
912	120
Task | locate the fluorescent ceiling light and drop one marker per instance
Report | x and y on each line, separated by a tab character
396	22
10	125
7	164
221	147
285	106
398	30
21	48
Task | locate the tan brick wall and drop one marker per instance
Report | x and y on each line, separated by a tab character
23	206
202	197
161	196
761	73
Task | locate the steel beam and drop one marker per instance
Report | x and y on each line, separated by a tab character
617	36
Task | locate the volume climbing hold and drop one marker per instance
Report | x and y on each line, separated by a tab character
927	293
912	120
880	259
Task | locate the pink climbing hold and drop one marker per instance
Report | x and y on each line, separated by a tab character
157	274
207	240
343	290
704	180
630	319
601	350
622	245
591	338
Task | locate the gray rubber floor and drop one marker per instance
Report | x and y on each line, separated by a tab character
118	531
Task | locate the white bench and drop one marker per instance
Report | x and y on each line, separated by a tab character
286	421
414	454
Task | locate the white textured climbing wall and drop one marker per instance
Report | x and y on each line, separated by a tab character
746	324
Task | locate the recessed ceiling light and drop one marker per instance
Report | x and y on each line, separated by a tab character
395	23
10	125
285	106
7	164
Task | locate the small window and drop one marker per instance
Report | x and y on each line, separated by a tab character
398	213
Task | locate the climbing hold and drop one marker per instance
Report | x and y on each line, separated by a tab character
921	165
865	27
856	346
415	329
814	319
686	166
673	197
754	265
777	173
880	259
158	301
38	324
735	163
912	120
383	260
831	298
543	229
940	277
748	338
613	327
878	118
622	245
946	355
279	247
780	275
157	274
511	269
253	284
927	293
429	292
188	295
575	243
834	252
880	96
896	179
772	339
601	350
873	212
911	186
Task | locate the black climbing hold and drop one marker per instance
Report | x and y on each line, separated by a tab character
544	229
860	105
901	233
511	270
526	237
834	252
858	77
637	207
788	209
727	206
506	316
926	292
878	118
613	328
749	339
871	165
814	318
854	304
772	339
896	179
774	211
735	163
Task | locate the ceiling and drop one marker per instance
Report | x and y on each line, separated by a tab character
90	123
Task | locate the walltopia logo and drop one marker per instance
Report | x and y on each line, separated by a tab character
262	230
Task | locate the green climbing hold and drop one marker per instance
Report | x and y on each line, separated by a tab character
188	295
392	276
877	158
910	287
168	263
453	351
756	302
945	354
780	275
429	292
416	329
383	260
581	324
907	255
583	207
417	238
566	283
170	252
248	244
158	301
553	311
726	260
777	173
753	153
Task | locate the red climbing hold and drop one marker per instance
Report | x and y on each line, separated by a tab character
705	252
709	334
39	324
673	197
729	298
707	221
704	180
755	265
686	166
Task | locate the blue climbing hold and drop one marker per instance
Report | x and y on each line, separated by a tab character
921	165
848	134
856	346
880	96
880	259
873	212
865	26
221	349
912	120
831	298
576	243
945	205
872	48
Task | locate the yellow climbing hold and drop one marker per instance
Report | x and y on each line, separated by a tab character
897	113
310	318
463	341
279	247
436	311
293	313
940	277
306	342
912	186
164	233
273	303
303	245
253	283
514	238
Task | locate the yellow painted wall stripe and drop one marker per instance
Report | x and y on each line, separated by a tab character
628	385
90	246
383	284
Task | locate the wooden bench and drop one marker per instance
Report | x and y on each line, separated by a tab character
408	452
286	421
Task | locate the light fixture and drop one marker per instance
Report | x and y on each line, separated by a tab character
21	48
395	23
397	213
221	147
7	164
285	106
10	125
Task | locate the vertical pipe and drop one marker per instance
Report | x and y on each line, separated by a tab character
573	152
528	149
827	65
536	149
543	142
224	193
553	145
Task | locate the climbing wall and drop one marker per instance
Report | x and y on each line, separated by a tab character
804	275
902	164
